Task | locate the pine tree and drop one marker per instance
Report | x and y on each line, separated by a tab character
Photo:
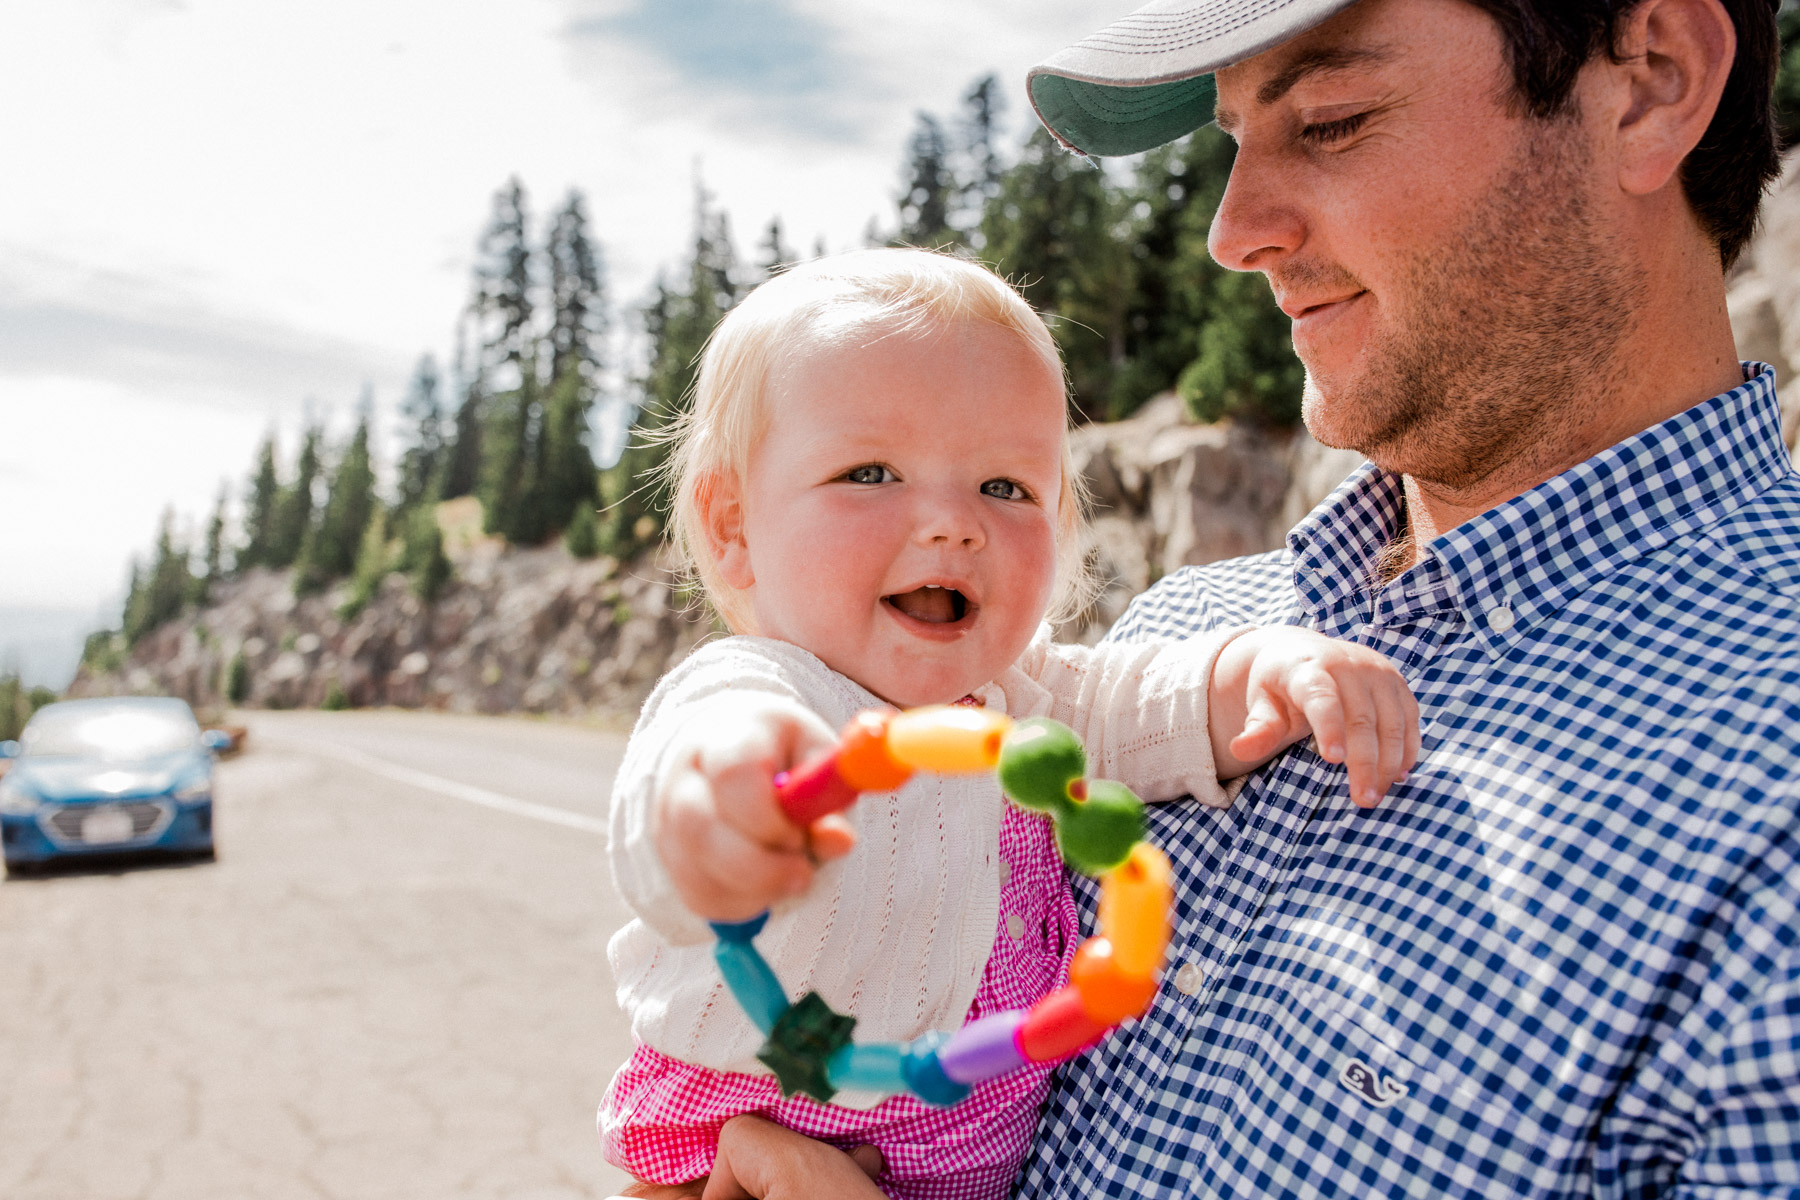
423	556
260	514
373	562
773	253
462	455
503	304
577	329
1059	229
349	505
511	438
978	169
422	462
163	593
294	508
214	552
677	321
930	189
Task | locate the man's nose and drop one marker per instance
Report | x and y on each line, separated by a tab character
1257	222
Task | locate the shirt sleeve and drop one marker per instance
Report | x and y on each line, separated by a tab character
1139	708
721	677
1745	1138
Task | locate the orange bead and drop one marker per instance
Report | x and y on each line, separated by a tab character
863	759
1109	993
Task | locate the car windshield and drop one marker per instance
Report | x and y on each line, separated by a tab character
122	734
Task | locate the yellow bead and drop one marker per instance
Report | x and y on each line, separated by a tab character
1134	910
951	739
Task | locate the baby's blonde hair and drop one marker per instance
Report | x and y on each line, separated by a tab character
898	291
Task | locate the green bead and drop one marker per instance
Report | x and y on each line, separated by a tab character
801	1046
1097	834
1039	759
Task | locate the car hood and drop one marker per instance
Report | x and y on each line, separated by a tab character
90	779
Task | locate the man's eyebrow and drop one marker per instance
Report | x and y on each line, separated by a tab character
1310	62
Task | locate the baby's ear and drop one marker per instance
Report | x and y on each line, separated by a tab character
722	511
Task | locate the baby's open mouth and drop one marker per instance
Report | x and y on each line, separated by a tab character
933	605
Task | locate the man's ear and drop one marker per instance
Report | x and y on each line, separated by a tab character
722	516
1675	56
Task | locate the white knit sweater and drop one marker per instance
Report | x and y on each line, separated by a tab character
898	933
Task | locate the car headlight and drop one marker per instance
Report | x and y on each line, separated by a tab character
16	798
195	789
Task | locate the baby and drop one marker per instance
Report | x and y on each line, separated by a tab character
876	491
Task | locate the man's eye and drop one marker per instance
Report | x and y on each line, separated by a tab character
872	473
1004	489
1327	132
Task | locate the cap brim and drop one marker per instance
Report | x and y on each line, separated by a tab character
1146	79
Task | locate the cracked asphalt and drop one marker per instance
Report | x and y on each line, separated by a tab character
382	988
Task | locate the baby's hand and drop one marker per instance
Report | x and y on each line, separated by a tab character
1275	685
728	848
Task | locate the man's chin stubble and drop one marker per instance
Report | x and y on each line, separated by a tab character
1509	345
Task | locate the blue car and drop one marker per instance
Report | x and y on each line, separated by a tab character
92	777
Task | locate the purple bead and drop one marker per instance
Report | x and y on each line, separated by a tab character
984	1049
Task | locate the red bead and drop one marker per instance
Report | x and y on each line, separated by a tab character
812	790
1058	1026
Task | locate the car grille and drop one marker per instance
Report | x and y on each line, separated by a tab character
64	826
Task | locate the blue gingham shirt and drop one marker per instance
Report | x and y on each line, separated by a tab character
1563	958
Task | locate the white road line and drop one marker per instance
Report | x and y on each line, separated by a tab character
498	801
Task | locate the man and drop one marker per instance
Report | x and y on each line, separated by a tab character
1564	957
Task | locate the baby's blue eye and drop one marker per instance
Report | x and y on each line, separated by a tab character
1004	489
873	473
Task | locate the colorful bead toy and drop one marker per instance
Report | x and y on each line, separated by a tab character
1099	831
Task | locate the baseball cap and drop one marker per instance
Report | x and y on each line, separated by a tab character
1146	79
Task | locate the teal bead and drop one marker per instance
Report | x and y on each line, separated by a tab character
879	1068
1097	834
1039	759
751	981
925	1076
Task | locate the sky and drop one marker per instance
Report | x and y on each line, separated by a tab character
217	217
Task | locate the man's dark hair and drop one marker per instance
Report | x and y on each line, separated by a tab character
1549	41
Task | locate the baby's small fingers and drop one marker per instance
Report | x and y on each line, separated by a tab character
1317	694
744	795
831	837
1266	730
1409	705
1362	744
744	878
1392	718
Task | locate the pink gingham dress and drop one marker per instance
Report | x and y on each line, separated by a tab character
661	1118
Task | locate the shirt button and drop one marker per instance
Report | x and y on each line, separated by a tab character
1005	872
1015	927
1190	979
1500	619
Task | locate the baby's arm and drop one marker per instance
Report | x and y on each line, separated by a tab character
1174	718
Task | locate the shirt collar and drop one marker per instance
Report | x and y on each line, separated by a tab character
1530	555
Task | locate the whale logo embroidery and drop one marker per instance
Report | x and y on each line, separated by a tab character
1382	1091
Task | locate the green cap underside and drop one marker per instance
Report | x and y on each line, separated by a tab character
1106	121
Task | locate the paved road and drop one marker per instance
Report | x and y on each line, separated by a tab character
392	983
